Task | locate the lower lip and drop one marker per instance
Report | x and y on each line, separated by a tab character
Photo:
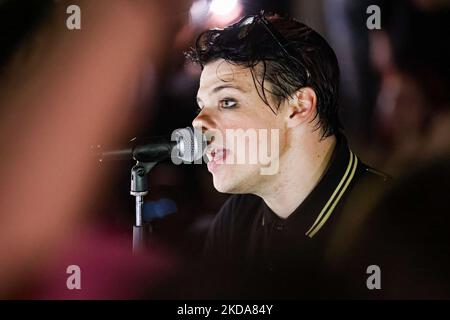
212	165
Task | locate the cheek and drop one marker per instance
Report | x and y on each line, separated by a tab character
251	128
236	121
255	146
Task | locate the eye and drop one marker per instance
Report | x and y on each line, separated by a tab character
227	103
198	110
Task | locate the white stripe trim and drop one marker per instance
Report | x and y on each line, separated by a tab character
316	227
330	200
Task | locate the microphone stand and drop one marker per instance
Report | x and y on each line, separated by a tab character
139	189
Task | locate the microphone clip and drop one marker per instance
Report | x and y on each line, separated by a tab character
139	189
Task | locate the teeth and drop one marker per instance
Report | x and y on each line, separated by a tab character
218	154
215	154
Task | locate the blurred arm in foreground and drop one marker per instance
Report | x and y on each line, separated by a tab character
59	93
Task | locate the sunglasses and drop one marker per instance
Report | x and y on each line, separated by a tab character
247	24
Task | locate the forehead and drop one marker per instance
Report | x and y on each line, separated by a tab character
221	72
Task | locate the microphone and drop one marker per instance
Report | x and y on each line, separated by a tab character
184	144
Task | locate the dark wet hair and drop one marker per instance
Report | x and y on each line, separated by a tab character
291	56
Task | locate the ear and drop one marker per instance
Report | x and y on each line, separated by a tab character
301	107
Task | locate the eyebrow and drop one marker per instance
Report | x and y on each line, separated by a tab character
224	86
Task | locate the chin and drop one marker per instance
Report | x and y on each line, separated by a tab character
232	182
224	186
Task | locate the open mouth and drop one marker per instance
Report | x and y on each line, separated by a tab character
216	157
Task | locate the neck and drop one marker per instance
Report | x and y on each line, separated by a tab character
300	170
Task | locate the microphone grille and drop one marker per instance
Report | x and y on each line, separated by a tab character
191	143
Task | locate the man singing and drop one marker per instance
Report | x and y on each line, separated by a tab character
275	75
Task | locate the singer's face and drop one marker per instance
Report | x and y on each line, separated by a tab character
240	128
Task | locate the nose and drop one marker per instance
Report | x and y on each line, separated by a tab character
203	121
206	123
197	123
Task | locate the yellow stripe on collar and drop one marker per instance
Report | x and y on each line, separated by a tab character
328	209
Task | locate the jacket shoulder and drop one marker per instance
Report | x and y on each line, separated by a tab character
369	173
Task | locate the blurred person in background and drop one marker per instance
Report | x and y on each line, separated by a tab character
405	233
413	102
394	79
